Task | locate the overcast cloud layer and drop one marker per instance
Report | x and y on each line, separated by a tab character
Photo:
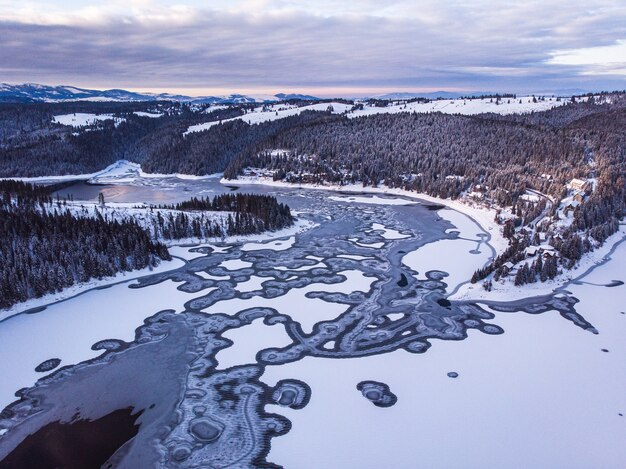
324	47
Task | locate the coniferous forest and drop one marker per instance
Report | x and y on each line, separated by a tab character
249	214
44	248
442	155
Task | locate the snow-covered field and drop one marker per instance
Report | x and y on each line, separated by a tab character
148	114
523	104
80	119
271	113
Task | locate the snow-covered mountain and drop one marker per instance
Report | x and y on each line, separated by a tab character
32	92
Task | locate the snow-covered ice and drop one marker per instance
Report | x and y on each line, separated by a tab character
67	330
235	264
307	311
277	245
541	395
389	233
249	340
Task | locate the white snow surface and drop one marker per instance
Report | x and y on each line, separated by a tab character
248	341
80	119
121	171
389	233
447	106
80	288
148	114
307	311
465	106
67	330
276	112
276	245
541	395
509	397
505	290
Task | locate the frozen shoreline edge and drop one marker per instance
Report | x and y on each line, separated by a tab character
485	218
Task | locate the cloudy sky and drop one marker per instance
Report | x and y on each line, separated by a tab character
324	47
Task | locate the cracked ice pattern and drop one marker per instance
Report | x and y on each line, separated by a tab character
217	417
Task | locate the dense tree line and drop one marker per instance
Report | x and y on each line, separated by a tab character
28	134
442	155
44	248
247	214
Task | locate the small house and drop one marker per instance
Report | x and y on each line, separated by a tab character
580	185
569	208
531	251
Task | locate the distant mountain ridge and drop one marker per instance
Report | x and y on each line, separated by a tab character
32	92
432	95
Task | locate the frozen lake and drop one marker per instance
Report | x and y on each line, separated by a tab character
335	347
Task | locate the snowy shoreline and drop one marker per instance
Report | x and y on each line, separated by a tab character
485	218
178	261
482	215
81	288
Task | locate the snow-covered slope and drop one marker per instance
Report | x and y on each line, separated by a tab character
275	112
519	105
523	104
84	120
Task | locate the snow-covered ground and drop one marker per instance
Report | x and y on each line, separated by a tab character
522	104
120	172
80	288
505	290
80	119
271	113
148	114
